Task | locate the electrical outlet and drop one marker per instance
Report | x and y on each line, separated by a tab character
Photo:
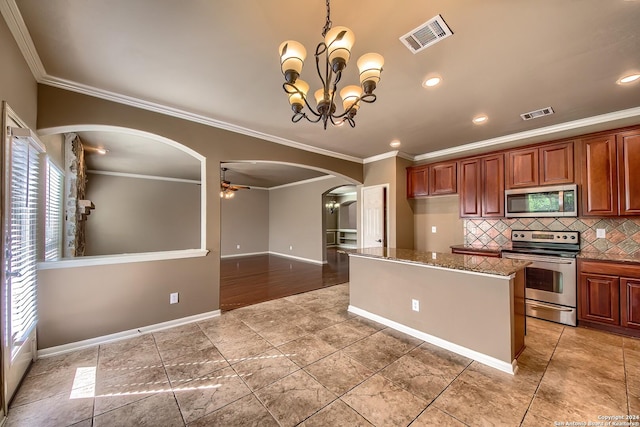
415	305
433	255
237	246
290	248
601	233
433	228
173	298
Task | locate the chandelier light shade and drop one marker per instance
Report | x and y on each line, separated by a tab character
332	56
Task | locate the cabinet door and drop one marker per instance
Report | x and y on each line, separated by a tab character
628	178
599	299
600	183
417	181
556	164
493	186
630	302
522	168
442	179
470	188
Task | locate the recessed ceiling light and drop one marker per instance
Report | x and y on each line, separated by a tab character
480	119
628	79
395	143
431	82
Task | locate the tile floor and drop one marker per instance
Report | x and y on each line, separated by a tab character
303	360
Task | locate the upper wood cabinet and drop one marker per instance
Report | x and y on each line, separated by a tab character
417	181
550	164
628	146
431	180
481	184
443	178
610	185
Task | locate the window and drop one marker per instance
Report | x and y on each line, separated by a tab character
54	185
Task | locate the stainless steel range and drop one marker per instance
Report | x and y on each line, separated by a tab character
551	278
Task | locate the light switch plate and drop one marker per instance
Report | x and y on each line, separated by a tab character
433	229
601	233
173	298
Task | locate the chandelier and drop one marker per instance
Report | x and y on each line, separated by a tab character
332	54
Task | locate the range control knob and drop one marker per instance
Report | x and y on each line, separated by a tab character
564	237
573	237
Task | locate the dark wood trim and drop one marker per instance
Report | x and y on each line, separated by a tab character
609	328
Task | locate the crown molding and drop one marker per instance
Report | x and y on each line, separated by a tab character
139	176
306	181
18	28
548	130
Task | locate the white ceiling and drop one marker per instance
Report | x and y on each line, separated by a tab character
217	62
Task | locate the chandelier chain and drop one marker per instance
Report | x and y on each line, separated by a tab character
328	23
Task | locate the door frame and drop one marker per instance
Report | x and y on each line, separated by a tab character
387	215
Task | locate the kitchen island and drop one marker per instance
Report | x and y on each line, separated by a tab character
471	305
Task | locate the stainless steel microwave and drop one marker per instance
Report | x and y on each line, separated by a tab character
557	200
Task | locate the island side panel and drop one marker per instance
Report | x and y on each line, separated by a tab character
471	310
519	314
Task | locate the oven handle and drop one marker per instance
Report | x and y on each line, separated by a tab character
538	306
554	260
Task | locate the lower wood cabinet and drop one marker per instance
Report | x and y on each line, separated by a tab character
609	296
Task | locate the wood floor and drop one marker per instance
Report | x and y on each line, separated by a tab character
253	279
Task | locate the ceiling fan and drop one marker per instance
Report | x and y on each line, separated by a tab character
227	190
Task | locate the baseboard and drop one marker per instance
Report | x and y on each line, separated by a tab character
510	368
297	258
243	255
79	345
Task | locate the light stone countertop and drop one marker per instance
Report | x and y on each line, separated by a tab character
478	264
599	256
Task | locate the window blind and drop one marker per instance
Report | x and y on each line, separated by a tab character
54	181
23	240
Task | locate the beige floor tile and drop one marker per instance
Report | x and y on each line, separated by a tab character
174	346
59	410
245	412
265	369
114	392
383	403
128	355
381	348
76	359
338	372
432	416
311	322
533	420
345	333
440	361
194	365
37	387
485	396
337	413
281	333
238	348
416	377
631	343
227	327
294	398
207	394
306	350
158	410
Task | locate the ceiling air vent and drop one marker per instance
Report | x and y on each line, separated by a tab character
425	35
537	113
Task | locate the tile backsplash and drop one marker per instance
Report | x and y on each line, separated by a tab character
622	234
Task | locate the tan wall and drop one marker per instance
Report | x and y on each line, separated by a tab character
55	149
135	215
296	219
115	298
392	171
245	222
470	310
17	85
56	108
441	212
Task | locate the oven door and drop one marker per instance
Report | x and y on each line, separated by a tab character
549	279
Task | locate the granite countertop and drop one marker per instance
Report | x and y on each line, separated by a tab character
478	264
599	256
493	249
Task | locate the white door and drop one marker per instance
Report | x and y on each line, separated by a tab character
19	228
374	217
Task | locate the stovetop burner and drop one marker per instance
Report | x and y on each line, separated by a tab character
553	243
